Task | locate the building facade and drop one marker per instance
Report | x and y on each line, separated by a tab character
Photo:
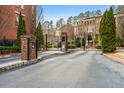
9	20
69	29
90	26
50	35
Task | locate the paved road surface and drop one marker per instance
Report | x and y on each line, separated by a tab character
76	70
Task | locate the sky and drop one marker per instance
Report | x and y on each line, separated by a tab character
55	12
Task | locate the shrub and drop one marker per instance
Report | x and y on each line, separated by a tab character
58	44
77	42
108	32
9	49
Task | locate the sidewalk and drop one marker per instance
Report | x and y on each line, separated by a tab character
9	55
8	62
118	56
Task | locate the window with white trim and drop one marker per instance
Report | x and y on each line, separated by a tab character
17	19
21	6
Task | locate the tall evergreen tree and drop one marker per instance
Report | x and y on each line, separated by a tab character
102	27
70	20
108	31
75	19
98	13
21	30
39	36
81	16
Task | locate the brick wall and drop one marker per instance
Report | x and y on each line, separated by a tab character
8	27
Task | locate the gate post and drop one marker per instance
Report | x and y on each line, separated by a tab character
64	41
36	49
28	47
46	41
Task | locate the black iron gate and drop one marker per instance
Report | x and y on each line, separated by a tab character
53	42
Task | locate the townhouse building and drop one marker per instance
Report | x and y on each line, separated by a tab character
9	20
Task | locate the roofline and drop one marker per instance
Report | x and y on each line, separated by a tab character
99	16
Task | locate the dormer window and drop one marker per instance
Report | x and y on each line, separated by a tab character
21	6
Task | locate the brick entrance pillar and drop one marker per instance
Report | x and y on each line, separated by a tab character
63	41
28	47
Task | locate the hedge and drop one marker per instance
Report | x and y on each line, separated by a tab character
9	49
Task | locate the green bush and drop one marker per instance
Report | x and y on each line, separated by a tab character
77	42
9	49
58	44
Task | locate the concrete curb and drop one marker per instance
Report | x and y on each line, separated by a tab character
27	63
17	65
119	60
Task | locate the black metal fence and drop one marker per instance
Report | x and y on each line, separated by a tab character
52	41
7	42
